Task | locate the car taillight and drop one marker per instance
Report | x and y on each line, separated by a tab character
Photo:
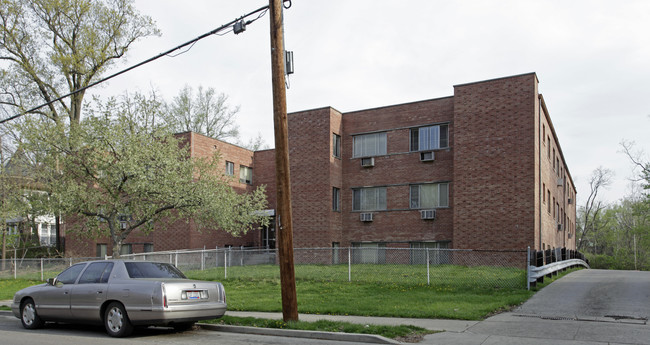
164	295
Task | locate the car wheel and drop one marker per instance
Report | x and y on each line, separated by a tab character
116	321
183	326
28	315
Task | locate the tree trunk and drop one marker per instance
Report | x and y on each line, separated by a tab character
117	239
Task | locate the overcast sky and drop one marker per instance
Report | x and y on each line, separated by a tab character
592	59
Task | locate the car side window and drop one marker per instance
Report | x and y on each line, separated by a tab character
97	272
69	276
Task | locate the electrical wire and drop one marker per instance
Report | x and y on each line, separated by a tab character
260	11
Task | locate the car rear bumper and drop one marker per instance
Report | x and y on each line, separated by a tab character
177	313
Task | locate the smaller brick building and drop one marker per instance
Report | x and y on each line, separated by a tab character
481	169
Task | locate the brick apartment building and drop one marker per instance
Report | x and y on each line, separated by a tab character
482	169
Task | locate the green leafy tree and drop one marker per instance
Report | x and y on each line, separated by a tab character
115	176
52	47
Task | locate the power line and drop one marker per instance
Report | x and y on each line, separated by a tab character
260	11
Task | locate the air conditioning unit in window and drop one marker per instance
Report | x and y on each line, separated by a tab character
560	182
570	235
366	217
428	214
368	162
570	201
560	227
427	156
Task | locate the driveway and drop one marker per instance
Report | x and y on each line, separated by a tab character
584	307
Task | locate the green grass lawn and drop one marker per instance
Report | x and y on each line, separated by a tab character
455	292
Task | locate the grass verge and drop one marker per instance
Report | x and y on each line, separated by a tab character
401	333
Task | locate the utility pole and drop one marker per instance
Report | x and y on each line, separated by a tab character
283	183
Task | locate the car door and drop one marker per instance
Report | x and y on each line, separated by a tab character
90	291
53	302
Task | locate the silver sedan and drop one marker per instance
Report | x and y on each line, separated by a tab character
120	294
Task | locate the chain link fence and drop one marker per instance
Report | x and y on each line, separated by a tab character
451	268
36	269
455	268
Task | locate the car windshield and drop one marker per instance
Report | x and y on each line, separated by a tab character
152	270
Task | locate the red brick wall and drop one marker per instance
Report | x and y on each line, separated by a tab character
395	171
313	172
494	163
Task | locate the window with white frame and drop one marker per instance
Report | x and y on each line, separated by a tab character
245	174
369	199
230	168
47	234
429	138
430	195
367	145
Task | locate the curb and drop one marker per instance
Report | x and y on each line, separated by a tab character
332	336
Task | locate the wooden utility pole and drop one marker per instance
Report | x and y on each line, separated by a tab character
283	216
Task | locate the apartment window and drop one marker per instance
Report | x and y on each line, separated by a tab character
543	132
548	196
102	250
429	138
230	168
369	253
336	252
336	199
369	199
554	213
148	247
336	145
245	174
430	195
544	194
369	145
127	248
548	148
436	256
554	166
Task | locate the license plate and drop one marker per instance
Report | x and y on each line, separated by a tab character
193	295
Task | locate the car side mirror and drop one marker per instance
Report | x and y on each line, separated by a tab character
52	281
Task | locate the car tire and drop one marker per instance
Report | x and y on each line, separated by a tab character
28	315
183	326
116	321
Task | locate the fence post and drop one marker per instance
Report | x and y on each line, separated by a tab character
428	274
202	259
41	269
176	258
349	265
528	268
15	264
225	264
241	256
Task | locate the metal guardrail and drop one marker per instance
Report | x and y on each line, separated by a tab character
536	274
